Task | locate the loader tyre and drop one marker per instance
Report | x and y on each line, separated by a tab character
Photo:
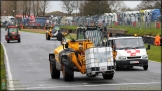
67	72
108	76
55	74
46	36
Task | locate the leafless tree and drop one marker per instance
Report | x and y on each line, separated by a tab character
94	7
118	6
33	8
81	8
76	5
149	4
69	6
43	6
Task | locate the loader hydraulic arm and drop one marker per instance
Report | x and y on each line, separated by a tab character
74	59
79	59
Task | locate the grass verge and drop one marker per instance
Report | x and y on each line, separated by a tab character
154	53
69	27
141	32
130	30
3	71
41	31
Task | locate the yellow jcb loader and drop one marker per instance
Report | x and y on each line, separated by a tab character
85	55
53	32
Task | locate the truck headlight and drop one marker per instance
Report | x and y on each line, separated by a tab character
122	57
144	57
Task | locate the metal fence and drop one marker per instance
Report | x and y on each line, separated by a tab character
122	19
138	21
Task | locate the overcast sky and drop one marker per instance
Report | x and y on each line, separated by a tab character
56	5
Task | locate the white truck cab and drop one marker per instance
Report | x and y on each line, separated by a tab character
130	51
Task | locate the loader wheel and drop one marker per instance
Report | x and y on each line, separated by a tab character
108	76
47	36
67	72
54	72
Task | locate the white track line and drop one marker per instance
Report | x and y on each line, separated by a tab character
92	85
10	80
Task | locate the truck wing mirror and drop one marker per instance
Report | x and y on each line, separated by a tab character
148	47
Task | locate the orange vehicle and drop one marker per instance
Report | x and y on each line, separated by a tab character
12	34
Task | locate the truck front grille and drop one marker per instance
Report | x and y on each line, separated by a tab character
135	57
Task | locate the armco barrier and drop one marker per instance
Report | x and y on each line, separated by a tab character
148	40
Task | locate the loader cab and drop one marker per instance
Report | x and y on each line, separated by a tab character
92	33
80	33
55	29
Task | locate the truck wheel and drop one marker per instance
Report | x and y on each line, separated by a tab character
116	67
67	72
107	76
54	72
145	67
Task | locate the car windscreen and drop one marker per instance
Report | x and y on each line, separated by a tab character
12	29
129	43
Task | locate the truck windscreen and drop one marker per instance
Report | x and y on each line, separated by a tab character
129	43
